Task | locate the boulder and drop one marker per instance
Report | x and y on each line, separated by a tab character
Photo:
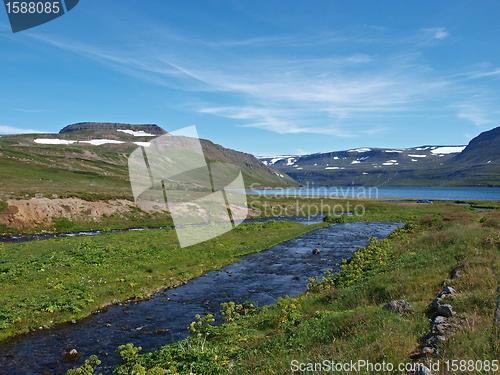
399	306
438	320
448	291
436	304
446	282
457	272
315	251
446	311
428	350
72	355
438	330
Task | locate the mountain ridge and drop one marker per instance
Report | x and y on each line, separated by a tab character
475	164
147	128
483	148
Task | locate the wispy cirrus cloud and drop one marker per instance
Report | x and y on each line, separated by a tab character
436	33
5	129
340	94
483	73
476	114
325	96
32	110
276	120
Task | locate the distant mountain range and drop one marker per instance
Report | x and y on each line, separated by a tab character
91	158
477	164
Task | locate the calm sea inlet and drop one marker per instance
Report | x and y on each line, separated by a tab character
458	193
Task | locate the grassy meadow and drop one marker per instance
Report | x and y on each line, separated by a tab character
340	318
57	280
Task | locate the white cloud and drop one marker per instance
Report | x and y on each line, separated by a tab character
482	73
430	36
4	129
32	110
440	33
479	116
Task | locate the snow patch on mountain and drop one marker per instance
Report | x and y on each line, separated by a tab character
140	133
48	141
448	150
363	149
98	142
143	144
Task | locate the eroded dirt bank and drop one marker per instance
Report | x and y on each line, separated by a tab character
36	211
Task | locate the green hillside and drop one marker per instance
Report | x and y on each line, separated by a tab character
95	171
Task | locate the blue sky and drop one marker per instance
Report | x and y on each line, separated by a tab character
263	77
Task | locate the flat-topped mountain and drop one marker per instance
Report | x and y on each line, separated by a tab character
147	128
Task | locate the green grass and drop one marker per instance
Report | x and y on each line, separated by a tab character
361	209
341	318
3	206
52	281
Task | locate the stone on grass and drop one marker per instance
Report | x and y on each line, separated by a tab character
457	272
436	304
438	320
428	350
448	291
399	306
446	311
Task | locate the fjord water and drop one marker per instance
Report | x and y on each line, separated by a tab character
455	193
281	270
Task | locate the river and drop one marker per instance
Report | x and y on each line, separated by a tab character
263	277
